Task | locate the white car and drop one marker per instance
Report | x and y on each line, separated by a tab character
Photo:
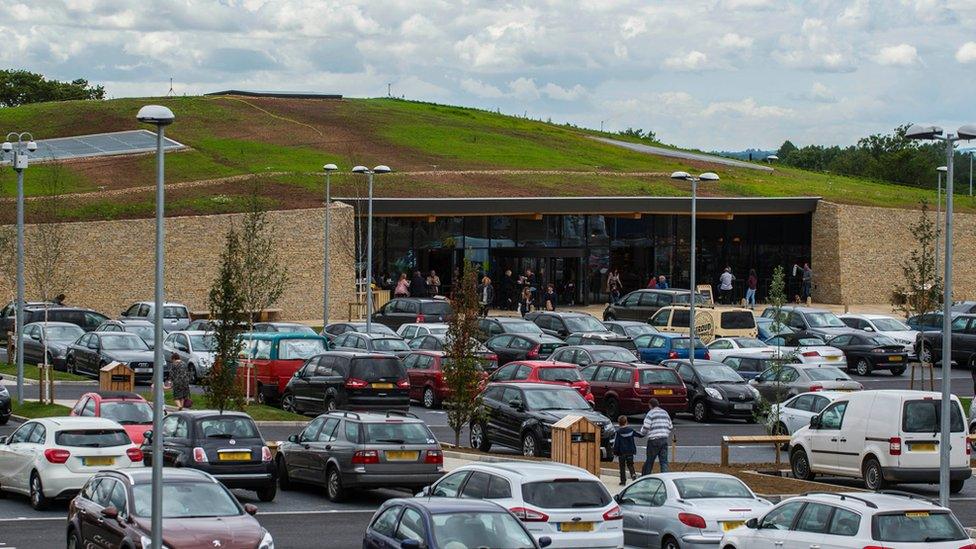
564	503
789	416
411	330
53	457
196	348
738	346
807	348
855	519
686	510
884	325
176	316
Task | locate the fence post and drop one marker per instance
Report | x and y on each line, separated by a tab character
725	452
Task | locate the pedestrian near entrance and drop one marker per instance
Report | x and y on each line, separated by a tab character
624	447
418	286
807	281
751	285
662	283
486	295
725	285
652	283
402	287
433	283
508	297
613	285
525	302
181	381
657	428
549	298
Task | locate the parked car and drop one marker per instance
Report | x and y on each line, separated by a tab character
176	316
95	349
629	328
883	437
345	451
714	389
196	349
439	342
520	415
672	510
749	366
807	348
965	307
563	323
86	319
781	382
869	352
722	347
283	327
601	338
8	315
347	380
627	388
929	343
425	371
653	348
789	416
114	510
766	328
492	326
52	458
142	328
441	523
543	371
884	325
129	410
851	519
271	359
419	310
52	337
640	305
509	347
584	355
371	343
227	445
332	330
412	330
556	502
810	319
725	322
5	404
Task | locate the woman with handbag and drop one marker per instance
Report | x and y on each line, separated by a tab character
180	377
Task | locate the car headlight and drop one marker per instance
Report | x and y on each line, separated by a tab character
146	542
3	389
266	542
713	393
755	392
55	351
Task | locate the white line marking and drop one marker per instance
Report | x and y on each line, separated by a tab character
323	512
22	519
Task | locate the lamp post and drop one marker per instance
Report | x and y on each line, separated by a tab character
938	214
328	169
23	145
160	117
692	328
369	239
936	133
772	158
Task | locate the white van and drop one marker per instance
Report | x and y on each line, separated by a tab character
882	437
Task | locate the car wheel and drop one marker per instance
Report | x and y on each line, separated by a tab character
531	446
612	408
670	543
863	367
800	465
284	481
267	493
478	437
259	396
955	486
69	366
4	420
873	478
194	376
73	541
333	485
897	371
699	410
288	403
37	499
330	404
430	399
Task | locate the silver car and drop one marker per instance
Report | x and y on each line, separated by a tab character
776	385
195	348
686	510
176	316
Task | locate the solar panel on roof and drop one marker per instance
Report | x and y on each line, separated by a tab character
101	144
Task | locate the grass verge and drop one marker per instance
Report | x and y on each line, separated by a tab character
258	412
9	371
32	410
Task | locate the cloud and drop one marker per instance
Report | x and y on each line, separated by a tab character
734	41
480	89
966	53
901	55
815	48
821	94
749	4
691	61
747	107
526	89
633	26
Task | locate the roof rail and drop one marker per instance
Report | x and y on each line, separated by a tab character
869	503
908	495
401	413
344	413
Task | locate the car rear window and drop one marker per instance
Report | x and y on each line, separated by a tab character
623	344
548	348
559	374
565	494
659	377
175	312
925	416
436	308
130	412
398	433
711	487
682	343
371	369
92	438
827	374
300	349
228	427
738	320
916	527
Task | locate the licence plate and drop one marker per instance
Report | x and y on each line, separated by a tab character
234	456
402	455
731	525
743	406
99	461
143	370
833	358
381	385
663	392
896	358
922	446
575	526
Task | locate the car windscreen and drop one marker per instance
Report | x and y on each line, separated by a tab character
583	324
145	332
521	328
622	343
440	330
634	330
482	529
123	342
884	340
711	487
398	433
376	328
203	343
390	345
925	416
618	355
749	343
63	333
738	320
300	349
92	438
659	377
827	374
808	341
568	374
916	527
372	369
715	374
890	325
558	399
187	500
439	308
682	343
565	494
824	320
227	427
175	312
130	412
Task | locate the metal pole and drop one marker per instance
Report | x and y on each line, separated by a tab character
158	361
369	255
20	279
692	332
971	173
944	442
938	221
325	270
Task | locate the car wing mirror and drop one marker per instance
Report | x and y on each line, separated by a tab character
517	404
147	436
110	512
545	541
293	438
815	422
250	509
36	336
752	523
3	440
411	544
868	329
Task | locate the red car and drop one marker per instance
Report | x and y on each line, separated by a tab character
426	378
128	409
626	388
543	371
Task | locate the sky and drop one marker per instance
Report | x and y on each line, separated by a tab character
707	74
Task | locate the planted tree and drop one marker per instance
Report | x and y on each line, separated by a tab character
226	300
263	275
47	241
769	411
461	369
921	291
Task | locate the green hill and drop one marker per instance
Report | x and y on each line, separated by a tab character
277	147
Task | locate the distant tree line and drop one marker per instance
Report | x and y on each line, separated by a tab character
19	87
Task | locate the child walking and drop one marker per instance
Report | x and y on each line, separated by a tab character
624	446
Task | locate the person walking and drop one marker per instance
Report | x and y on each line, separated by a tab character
549	298
402	287
180	377
486	296
807	282
657	428
624	447
433	283
652	283
418	286
508	291
725	286
662	283
751	285
525	302
59	300
613	285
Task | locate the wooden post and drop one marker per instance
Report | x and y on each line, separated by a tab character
776	445
725	452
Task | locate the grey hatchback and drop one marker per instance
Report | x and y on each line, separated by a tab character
345	451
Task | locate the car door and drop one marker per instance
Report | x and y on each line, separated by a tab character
321	450
825	440
298	458
380	534
301	386
798	412
510	417
176	440
637	503
657	350
775	528
92	356
687	375
80	350
14	455
810	528
964	344
499	346
109	532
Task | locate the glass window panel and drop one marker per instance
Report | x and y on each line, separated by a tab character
502	232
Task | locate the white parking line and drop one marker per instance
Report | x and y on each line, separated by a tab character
20	519
321	512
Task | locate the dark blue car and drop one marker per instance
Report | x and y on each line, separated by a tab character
653	348
446	523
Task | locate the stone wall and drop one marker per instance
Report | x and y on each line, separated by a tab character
858	252
112	262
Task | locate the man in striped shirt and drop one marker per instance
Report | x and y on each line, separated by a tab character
657	428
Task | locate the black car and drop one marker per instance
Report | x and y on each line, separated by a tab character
492	326
439	342
349	381
228	445
337	328
87	319
715	389
288	327
629	328
521	415
602	338
509	347
371	343
403	310
51	337
928	344
96	349
640	305
584	355
869	352
561	324
4	404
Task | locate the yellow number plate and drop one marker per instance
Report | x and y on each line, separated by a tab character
234	456
916	514
922	446
833	358
99	461
663	392
381	385
401	455
896	358
732	524
575	526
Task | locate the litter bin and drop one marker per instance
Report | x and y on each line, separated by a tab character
576	441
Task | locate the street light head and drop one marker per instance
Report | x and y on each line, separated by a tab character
31	146
772	158
330	167
942	169
157	115
382	168
967	132
8	146
680	175
360	169
917	131
708	176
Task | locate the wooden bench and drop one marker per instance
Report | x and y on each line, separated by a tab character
775	440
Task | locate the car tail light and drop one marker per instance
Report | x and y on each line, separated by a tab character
56	455
810	353
353	383
420	318
534	352
691	520
403	384
884	547
265	454
199	455
707	356
529	515
970	546
134	454
365	457
877	350
815	388
613	514
673	354
894	446
434	456
969	449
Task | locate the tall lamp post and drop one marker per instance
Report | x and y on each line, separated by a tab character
692	328
938	215
160	117
328	169
23	145
936	133
369	239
